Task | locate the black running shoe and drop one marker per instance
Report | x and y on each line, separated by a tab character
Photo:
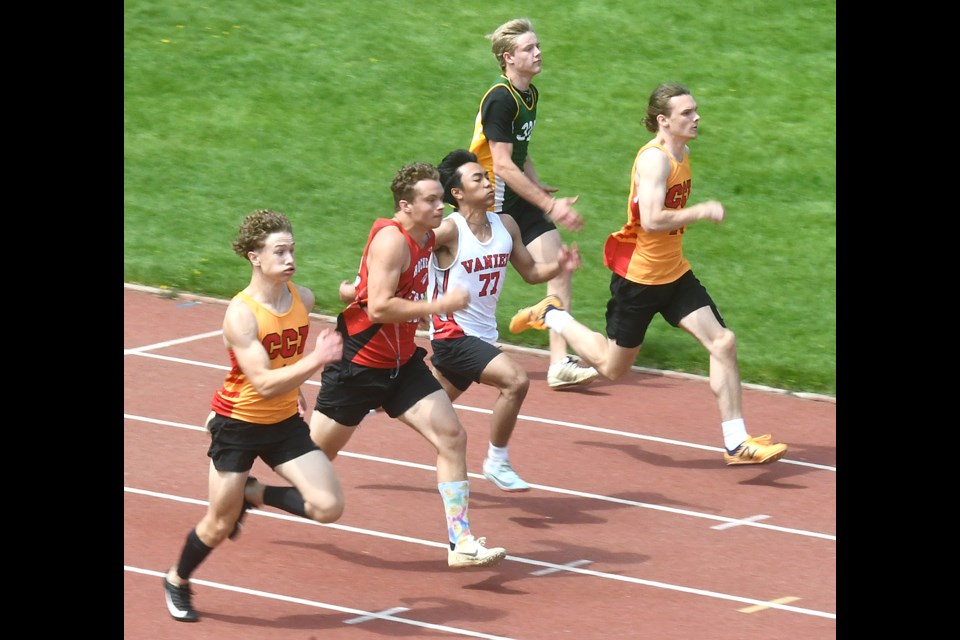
246	506
179	601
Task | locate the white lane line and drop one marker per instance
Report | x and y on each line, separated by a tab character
739	523
538	563
559	423
575	563
170	343
378	615
543	487
324	605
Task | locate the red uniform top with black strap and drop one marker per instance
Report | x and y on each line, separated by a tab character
379	345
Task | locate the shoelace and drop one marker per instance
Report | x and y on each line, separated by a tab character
569	365
182	596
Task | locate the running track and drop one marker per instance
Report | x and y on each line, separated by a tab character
634	527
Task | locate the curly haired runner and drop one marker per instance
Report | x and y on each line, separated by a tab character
382	366
473	249
651	275
258	412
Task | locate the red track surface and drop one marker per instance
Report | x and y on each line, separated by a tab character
634	527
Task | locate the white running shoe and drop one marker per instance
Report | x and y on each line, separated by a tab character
472	552
503	475
569	373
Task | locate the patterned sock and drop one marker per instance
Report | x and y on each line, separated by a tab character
456	497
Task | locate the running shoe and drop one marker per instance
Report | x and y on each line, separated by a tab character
503	475
532	317
755	451
179	601
472	552
569	373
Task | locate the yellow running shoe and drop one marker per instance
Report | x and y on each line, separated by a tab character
755	451
532	317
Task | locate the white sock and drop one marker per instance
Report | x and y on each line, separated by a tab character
557	319
734	433
496	454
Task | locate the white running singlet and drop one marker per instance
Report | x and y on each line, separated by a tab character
480	268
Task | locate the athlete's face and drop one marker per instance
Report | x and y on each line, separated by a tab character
525	58
276	259
477	190
426	208
684	119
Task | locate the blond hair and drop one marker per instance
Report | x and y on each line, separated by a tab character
504	38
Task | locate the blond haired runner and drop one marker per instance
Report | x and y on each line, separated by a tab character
650	275
501	137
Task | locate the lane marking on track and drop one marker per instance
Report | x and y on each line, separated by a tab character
170	343
762	608
324	605
558	423
568	492
425	335
379	615
740	523
537	563
575	563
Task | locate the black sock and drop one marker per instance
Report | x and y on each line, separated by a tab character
194	552
285	498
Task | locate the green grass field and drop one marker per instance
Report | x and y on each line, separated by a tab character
311	107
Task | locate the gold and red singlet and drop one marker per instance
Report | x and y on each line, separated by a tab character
284	337
646	257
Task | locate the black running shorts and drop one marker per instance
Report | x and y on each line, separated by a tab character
235	444
462	360
531	219
632	306
348	392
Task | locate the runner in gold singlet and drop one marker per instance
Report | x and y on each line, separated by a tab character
258	412
650	276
